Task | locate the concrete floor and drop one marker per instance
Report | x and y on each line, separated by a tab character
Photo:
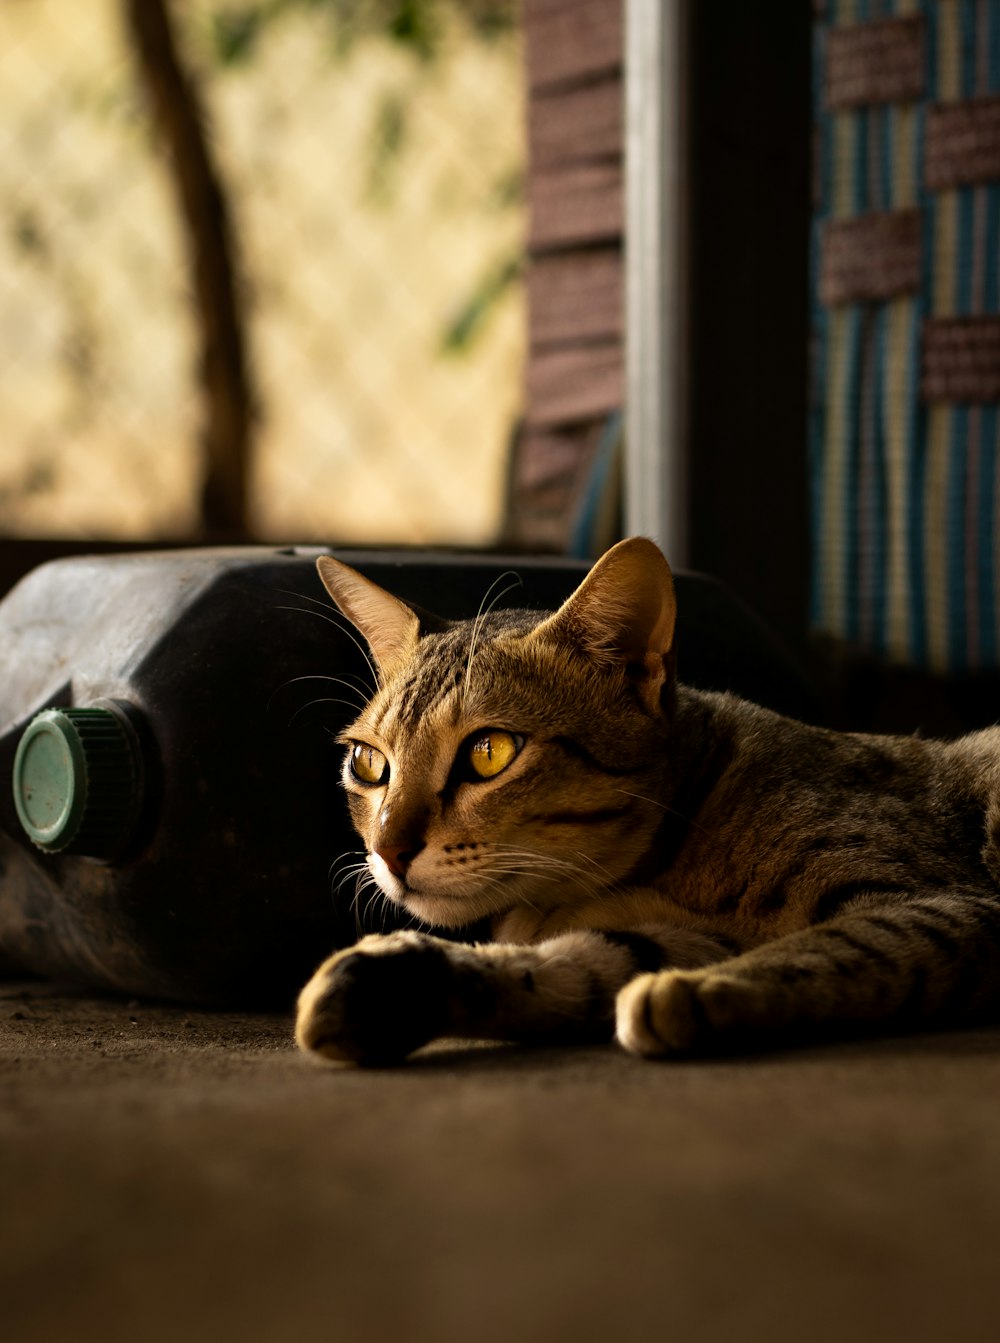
173	1175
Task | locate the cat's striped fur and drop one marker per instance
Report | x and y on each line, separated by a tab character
688	869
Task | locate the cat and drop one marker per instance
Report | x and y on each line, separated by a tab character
680	868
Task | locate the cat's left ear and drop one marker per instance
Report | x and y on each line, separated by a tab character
623	613
390	628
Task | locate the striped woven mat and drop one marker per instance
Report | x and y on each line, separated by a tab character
905	431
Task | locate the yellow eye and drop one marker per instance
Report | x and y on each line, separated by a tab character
492	751
368	765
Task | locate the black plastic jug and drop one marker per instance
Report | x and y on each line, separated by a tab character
170	816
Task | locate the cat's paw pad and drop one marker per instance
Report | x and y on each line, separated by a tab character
678	1012
376	1002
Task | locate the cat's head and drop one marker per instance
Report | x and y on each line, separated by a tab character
516	759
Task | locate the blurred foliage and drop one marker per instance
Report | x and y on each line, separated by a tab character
388	138
370	153
419	26
472	314
27	234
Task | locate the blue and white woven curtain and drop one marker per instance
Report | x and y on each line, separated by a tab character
905	434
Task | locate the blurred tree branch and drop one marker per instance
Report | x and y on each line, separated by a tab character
227	411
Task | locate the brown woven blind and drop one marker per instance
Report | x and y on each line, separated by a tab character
881	62
963	143
961	359
579	204
571	40
870	257
576	297
576	384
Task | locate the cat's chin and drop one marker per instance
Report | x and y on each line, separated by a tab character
438	910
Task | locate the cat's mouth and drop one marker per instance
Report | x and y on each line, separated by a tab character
390	885
437	907
399	889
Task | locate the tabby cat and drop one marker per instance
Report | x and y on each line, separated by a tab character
682	868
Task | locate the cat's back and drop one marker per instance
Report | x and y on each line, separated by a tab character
782	753
799	815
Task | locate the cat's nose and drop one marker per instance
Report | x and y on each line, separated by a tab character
397	858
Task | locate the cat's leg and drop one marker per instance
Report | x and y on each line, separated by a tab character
928	960
378	1001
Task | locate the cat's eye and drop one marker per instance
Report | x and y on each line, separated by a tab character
368	765
491	751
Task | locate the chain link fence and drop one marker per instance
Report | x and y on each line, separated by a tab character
373	181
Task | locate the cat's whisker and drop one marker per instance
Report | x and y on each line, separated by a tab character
387	906
374	900
688	820
341	870
361	884
532	864
545	867
337	877
497	877
375	894
564	866
319	676
304	597
481	615
502	903
323	699
606	881
522	870
360	866
343	857
534	854
331	617
354	873
353	680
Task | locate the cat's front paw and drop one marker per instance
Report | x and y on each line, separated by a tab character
678	1012
376	1002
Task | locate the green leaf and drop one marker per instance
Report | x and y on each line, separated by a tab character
469	320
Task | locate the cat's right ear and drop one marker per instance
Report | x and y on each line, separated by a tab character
623	613
390	628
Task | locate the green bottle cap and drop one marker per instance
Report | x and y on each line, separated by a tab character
77	781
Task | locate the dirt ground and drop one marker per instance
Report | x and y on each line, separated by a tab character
168	1174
